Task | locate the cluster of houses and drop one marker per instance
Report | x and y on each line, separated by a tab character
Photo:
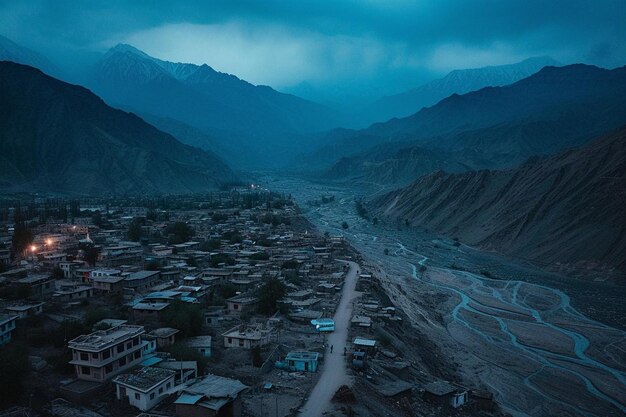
237	254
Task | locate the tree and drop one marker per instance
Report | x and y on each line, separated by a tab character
179	232
345	225
269	294
22	236
135	231
183	316
257	359
210	245
91	254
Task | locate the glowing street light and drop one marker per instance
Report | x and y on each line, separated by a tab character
33	248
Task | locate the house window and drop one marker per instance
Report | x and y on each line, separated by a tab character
106	354
85	370
230	340
168	385
152	396
136	355
136	396
135	341
84	357
129	345
120	348
161	390
122	361
94	356
236	306
108	369
240	342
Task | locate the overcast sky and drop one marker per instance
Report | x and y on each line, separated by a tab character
340	46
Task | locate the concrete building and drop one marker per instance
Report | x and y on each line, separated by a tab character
211	397
103	354
144	387
246	337
24	310
442	392
164	336
201	344
241	304
7	325
41	286
300	361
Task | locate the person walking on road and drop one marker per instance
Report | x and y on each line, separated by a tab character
331	348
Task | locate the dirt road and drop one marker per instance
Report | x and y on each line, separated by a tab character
334	371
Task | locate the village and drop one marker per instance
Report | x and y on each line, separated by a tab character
229	304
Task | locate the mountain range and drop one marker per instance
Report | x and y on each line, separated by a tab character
456	82
264	125
495	127
569	207
58	137
11	51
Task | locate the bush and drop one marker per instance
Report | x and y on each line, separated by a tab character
260	256
184	353
210	245
291	264
269	294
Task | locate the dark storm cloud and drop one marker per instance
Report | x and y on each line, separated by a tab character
379	43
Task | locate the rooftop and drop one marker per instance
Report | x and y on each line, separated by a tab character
144	378
150	306
164	332
440	388
212	392
302	355
141	275
198	341
360	341
103	339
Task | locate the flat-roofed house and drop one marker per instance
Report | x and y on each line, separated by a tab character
241	304
247	337
103	354
201	344
211	397
149	312
144	387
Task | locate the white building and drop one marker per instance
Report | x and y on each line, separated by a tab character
103	354
145	387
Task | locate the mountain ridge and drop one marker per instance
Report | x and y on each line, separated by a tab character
60	137
570	207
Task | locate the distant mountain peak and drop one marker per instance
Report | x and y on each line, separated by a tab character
11	51
126	48
458	81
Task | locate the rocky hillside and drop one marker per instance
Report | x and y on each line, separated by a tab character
58	137
566	208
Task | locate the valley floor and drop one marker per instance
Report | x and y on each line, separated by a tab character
504	325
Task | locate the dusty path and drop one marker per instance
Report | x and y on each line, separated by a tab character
334	371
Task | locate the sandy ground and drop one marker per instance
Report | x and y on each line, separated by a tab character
334	369
517	336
